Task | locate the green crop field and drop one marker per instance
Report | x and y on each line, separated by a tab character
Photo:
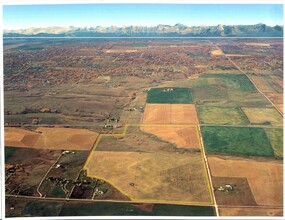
221	115
237	82
123	209
237	141
275	136
169	95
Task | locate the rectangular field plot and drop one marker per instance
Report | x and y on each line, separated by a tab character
169	95
238	82
228	98
221	115
141	209
153	176
250	211
236	141
51	138
170	114
263	116
265	178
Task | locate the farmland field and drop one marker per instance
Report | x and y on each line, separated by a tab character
140	175
263	116
169	95
236	141
260	175
108	208
51	138
170	114
221	115
143	127
275	135
251	211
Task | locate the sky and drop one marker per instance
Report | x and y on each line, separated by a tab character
92	15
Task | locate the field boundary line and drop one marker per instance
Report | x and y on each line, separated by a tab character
206	166
93	150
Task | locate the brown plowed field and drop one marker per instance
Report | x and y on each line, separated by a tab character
170	114
265	178
248	211
51	138
153	176
183	137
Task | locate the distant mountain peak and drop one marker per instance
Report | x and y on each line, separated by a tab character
161	30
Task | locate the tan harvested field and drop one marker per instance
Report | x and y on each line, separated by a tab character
250	211
258	44
217	53
151	176
262	84
156	114
265	178
263	116
170	114
51	138
183	137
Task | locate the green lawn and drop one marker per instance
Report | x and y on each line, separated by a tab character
237	141
169	95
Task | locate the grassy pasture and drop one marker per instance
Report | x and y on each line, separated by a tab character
264	116
224	97
275	136
237	141
221	115
237	82
175	96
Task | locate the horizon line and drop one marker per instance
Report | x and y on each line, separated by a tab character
121	26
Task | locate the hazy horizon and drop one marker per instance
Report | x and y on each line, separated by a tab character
106	15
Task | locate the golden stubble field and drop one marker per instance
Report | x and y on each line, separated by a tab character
167	177
170	114
50	138
182	136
